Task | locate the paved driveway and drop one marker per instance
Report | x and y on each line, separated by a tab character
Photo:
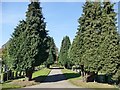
55	80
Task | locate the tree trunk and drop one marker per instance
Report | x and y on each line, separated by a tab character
29	74
85	76
5	76
20	74
16	74
66	66
82	72
96	75
90	76
82	75
24	73
12	75
48	66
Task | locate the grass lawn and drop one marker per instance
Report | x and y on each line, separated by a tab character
71	75
19	83
78	82
41	75
6	86
56	65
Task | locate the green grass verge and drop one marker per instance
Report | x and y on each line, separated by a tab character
41	74
44	71
71	75
56	65
7	85
78	82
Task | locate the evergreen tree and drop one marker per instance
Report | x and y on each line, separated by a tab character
50	59
35	45
14	45
74	51
52	52
86	42
110	41
77	50
97	39
91	37
63	55
52	46
6	57
28	46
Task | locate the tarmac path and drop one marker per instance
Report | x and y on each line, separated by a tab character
56	79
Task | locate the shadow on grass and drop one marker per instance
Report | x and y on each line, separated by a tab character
55	78
106	79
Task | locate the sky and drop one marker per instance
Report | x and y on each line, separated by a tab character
61	17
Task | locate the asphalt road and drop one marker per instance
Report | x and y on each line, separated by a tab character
55	80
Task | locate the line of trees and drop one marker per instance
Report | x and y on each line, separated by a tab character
30	45
96	46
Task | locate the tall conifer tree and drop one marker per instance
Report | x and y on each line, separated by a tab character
28	46
52	52
110	41
14	46
63	55
91	38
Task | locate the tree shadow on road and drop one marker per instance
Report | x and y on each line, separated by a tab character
56	78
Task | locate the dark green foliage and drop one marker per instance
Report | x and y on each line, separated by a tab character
5	55
11	48
52	52
96	45
36	41
84	48
63	55
109	41
15	46
28	45
52	46
74	51
50	59
90	36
